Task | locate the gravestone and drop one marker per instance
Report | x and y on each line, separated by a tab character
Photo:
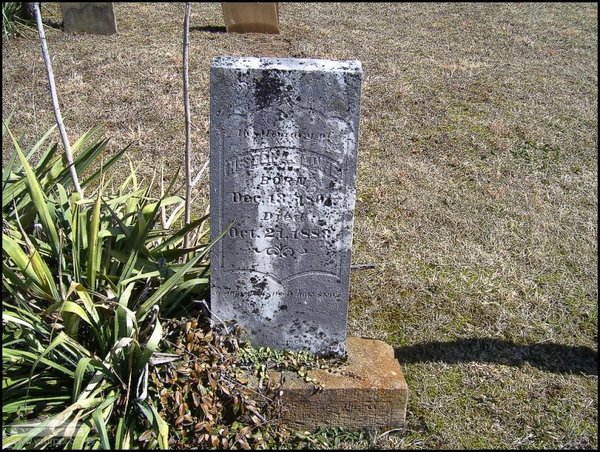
284	141
96	18
250	17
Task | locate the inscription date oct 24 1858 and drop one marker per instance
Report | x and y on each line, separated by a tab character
278	232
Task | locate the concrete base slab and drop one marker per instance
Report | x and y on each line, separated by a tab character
369	391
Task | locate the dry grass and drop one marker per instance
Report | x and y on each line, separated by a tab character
477	186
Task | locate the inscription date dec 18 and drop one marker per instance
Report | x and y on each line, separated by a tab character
293	199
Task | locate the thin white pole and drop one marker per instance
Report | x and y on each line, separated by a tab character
55	106
186	96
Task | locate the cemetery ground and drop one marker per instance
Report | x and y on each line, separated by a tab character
476	190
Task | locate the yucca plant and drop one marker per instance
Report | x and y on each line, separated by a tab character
14	19
84	283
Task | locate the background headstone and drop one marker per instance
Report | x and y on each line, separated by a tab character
284	141
251	17
95	18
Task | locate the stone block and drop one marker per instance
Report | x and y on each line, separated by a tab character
368	392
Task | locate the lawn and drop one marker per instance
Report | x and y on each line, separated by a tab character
477	190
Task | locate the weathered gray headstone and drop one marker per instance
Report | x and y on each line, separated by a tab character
284	141
96	18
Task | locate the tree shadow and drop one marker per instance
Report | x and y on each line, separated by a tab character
210	28
550	357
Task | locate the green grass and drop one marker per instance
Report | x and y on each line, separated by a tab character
477	186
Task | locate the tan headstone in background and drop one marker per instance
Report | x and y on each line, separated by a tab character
248	17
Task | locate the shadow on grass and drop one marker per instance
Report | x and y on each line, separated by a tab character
58	25
550	357
210	28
